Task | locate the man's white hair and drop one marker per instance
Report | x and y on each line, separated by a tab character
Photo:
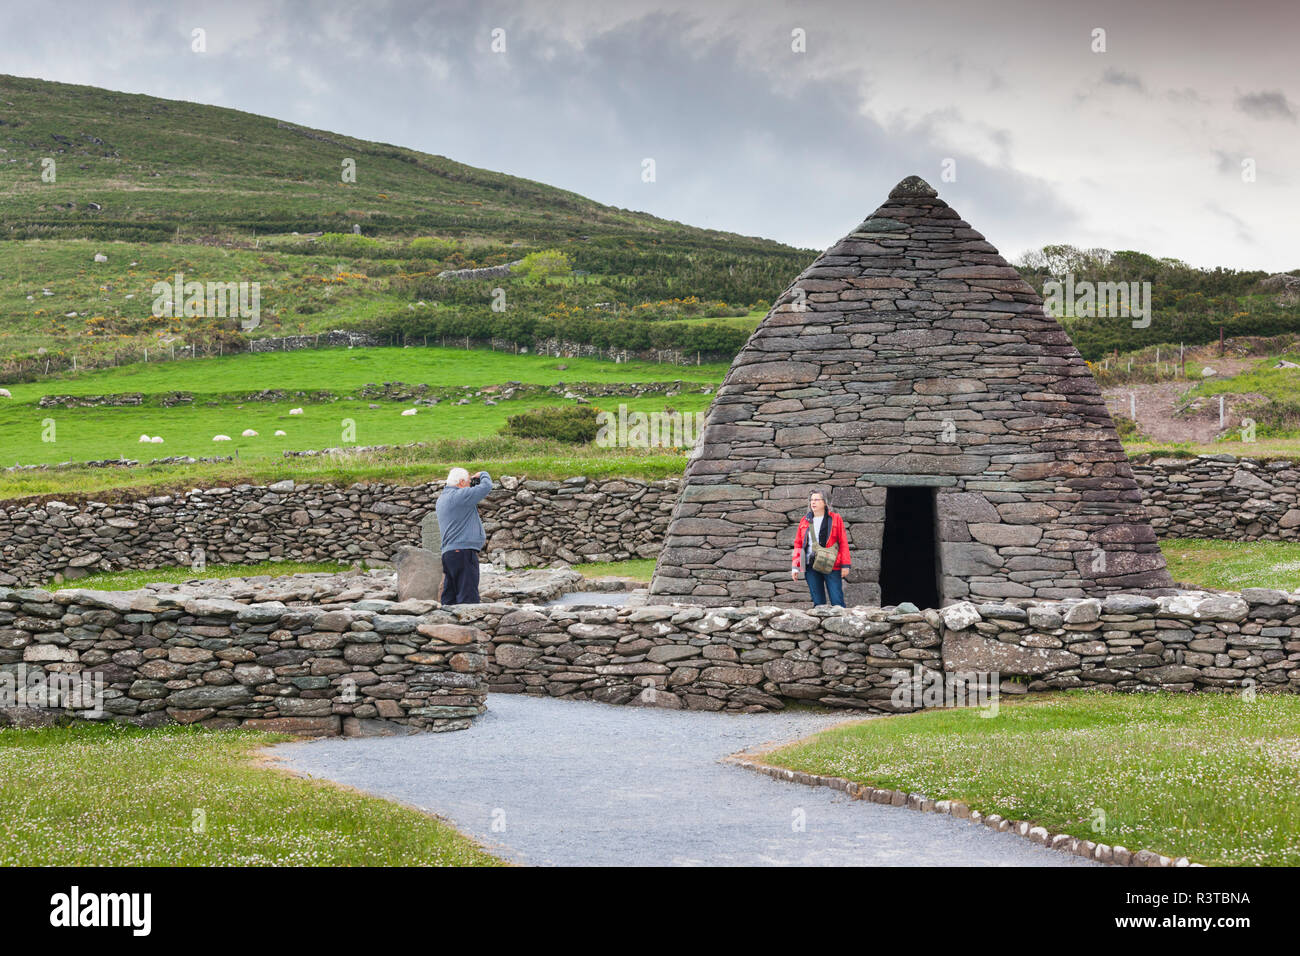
456	476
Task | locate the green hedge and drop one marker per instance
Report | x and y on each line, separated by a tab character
567	423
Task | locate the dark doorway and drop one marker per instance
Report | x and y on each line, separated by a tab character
908	568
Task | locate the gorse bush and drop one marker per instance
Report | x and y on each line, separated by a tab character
350	244
427	247
566	423
545	262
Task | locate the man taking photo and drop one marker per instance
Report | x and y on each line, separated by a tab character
462	534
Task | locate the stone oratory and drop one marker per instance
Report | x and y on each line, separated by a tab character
916	378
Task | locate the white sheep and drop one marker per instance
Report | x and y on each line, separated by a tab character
4	393
249	433
409	411
144	438
157	439
295	411
221	438
279	433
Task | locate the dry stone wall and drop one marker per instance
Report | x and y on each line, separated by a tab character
1221	496
375	667
528	522
738	659
384	667
757	658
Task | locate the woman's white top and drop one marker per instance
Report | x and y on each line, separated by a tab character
816	533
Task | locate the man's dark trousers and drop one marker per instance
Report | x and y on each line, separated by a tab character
460	576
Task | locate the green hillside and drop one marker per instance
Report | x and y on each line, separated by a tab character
1189	306
145	189
157	166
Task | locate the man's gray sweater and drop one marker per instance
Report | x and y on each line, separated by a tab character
458	519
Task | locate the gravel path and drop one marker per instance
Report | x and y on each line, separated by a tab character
550	782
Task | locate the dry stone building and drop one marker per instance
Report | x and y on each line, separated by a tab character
916	377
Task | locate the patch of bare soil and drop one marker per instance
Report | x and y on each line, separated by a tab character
1164	415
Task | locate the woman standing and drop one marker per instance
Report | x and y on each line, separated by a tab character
828	528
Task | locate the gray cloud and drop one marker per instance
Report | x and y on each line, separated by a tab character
1132	81
747	135
1266	105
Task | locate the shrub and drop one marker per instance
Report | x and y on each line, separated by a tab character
568	423
427	247
351	244
547	262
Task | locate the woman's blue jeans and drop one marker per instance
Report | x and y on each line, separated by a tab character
819	584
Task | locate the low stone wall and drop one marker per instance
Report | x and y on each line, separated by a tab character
376	667
382	667
1225	642
527	522
486	272
745	659
1221	496
757	658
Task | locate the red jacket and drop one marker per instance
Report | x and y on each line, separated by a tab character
836	536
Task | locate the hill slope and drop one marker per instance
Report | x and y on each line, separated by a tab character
155	166
146	188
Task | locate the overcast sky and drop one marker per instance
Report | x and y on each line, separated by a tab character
1140	146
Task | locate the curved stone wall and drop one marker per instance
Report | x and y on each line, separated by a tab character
373	668
758	658
384	667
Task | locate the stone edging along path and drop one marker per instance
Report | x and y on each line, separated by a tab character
1063	842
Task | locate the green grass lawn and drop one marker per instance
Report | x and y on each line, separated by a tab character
130	580
89	434
1227	565
1264	448
83	434
497	454
115	796
1233	565
1208	776
342	369
639	568
1279	384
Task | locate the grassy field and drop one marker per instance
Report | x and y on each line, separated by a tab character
1207	776
1264	448
130	580
342	418
113	796
343	369
1233	565
1227	565
640	569
54	294
533	458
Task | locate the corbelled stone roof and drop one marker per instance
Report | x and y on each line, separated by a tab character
910	353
